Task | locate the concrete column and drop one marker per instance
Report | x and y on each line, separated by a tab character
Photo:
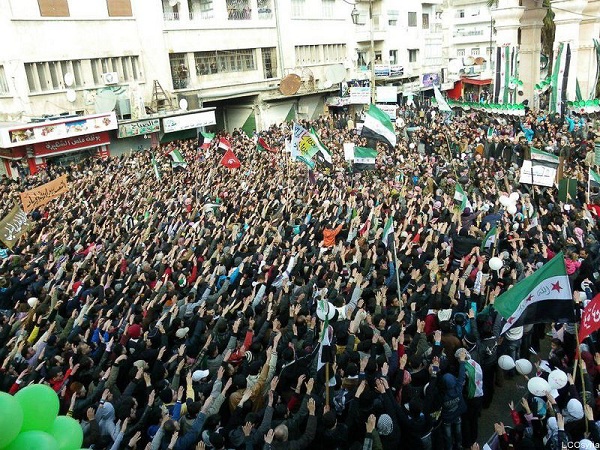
568	19
507	20
530	50
588	30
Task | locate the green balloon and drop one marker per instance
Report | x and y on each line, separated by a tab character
11	418
33	440
40	407
67	432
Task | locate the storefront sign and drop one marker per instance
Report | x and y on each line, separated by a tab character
360	95
390	110
39	196
189	121
396	70
382	70
337	101
71	144
57	129
139	128
13	226
387	94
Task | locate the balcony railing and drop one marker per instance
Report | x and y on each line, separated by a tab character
239	14
468	33
171	16
265	13
202	15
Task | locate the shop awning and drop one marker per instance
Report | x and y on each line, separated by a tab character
476	81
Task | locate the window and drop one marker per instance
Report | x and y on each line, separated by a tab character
413	55
180	73
461	14
392	22
209	63
333	53
127	68
54	8
393	56
412	19
425	19
239	10
265	9
475	51
170	11
201	9
460	52
119	8
298	8
3	82
269	60
328	8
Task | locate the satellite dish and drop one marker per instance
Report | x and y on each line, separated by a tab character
69	79
173	2
336	73
469	61
479	61
183	104
290	84
71	95
105	101
454	65
327	84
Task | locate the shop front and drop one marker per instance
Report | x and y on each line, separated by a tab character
27	148
136	135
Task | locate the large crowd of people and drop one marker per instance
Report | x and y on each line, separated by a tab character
181	312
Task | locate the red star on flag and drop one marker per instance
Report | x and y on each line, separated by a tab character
556	287
511	319
528	299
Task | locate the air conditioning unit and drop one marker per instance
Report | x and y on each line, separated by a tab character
110	77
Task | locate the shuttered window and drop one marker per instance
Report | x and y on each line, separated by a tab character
54	8
119	8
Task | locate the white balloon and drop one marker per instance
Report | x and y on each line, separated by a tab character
557	379
538	386
514	197
512	209
504	200
506	362
495	263
523	366
32	302
328	311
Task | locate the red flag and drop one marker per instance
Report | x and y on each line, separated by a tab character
263	144
224	144
229	160
590	318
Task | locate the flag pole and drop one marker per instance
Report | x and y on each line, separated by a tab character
495	245
397	270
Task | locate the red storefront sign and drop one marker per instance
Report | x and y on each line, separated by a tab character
71	144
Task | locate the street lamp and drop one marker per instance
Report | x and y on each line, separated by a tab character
355	15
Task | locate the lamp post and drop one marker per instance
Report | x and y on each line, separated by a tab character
355	15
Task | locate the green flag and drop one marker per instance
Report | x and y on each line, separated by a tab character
489	238
155	166
460	198
177	159
388	230
543	297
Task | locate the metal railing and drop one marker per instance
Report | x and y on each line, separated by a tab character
202	15
239	14
171	16
265	13
468	33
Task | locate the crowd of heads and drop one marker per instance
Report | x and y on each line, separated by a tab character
185	311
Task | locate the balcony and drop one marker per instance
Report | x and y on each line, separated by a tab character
239	10
265	14
170	16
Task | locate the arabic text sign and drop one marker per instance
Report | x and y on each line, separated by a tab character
189	121
13	226
139	128
39	196
537	174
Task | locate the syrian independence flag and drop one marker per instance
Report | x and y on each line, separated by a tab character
460	198
442	104
324	155
177	158
388	231
474	378
560	78
490	132
378	126
543	297
364	158
489	239
261	146
594	188
229	160
155	167
224	144
590	318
